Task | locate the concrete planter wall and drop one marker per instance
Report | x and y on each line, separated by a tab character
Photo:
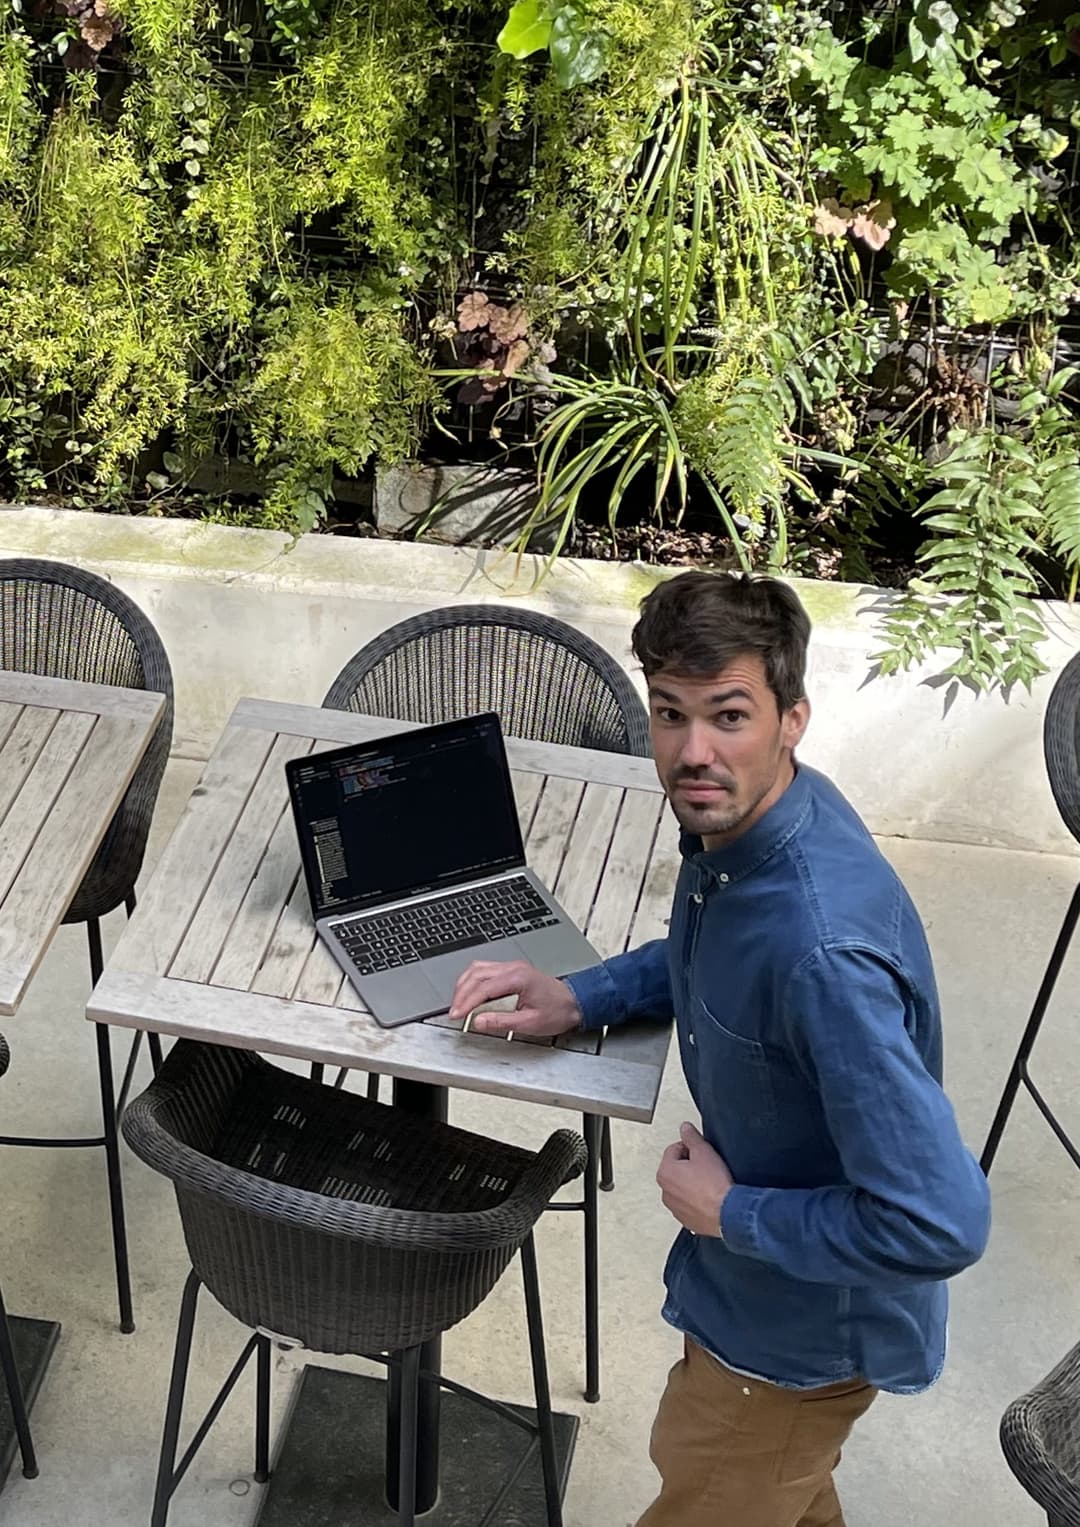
249	612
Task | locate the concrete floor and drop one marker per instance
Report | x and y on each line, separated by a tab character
991	915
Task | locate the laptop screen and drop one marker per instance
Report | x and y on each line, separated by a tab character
405	814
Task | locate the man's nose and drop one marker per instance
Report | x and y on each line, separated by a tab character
697	750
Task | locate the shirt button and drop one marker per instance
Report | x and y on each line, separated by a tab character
723	880
697	898
693	1041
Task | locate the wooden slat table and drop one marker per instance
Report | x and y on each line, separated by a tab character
68	752
222	949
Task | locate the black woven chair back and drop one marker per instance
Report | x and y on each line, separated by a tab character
1061	744
1040	1437
341	1223
547	681
5	1055
61	622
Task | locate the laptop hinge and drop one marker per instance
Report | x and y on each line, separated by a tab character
416	898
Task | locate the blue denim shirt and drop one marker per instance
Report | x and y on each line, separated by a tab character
808	1022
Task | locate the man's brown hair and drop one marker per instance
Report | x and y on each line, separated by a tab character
694	625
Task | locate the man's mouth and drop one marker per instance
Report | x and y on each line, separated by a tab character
701	790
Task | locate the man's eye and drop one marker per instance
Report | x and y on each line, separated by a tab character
732	717
667	714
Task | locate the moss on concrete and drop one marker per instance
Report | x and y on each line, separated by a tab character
377	568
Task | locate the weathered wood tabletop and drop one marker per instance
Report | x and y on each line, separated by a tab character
223	949
67	754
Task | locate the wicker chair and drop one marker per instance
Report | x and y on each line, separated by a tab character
339	1223
1061	748
1040	1437
8	1365
548	683
61	622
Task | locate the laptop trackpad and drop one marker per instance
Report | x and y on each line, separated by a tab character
443	971
400	995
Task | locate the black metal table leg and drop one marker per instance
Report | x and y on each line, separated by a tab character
112	1143
16	1403
592	1260
431	1103
1017	1073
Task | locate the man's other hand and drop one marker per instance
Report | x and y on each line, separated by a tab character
694	1182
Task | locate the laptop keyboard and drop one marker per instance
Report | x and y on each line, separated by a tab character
384	940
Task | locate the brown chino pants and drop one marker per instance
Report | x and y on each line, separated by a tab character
737	1452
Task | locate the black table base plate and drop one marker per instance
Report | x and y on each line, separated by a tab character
329	1470
34	1341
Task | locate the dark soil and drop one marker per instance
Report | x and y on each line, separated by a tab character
651	543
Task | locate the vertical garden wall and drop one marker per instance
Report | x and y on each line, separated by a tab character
797	278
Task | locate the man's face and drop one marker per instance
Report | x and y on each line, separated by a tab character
722	749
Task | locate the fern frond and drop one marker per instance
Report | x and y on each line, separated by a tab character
1061	509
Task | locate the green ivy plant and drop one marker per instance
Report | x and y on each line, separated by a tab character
919	155
578	50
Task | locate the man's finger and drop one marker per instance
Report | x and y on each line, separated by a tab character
691	1137
496	1023
486	981
477	981
671	1157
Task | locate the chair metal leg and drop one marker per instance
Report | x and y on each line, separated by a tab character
15	1397
592	1260
538	1353
1030	1034
317	1071
410	1408
174	1408
262	1410
112	1143
373	1086
607	1161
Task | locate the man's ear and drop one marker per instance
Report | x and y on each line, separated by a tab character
794	723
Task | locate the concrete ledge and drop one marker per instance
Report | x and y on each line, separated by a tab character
246	612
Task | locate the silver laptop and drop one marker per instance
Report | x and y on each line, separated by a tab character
415	866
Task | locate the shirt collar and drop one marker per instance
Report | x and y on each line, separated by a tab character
734	861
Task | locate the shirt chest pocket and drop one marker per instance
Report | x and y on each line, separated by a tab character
734	1075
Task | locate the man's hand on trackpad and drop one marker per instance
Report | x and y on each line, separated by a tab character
546	1006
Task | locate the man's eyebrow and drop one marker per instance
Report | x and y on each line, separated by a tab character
722	697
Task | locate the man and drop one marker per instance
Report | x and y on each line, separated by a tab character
828	1195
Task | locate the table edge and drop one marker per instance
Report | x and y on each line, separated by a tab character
627	771
126	999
